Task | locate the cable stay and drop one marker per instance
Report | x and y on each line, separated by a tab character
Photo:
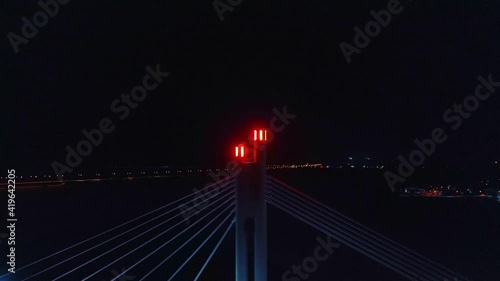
287	198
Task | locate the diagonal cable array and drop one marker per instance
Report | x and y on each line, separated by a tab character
197	249
225	191
213	251
360	238
231	200
119	226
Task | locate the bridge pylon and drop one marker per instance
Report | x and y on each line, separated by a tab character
251	210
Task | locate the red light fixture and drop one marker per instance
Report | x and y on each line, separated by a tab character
260	135
241	152
247	153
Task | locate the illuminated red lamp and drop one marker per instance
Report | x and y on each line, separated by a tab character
260	135
240	151
243	153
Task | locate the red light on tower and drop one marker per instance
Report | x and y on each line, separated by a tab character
247	153
251	208
260	135
241	152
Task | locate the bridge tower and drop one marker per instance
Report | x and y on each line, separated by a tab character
251	210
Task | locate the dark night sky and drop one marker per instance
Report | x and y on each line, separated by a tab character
224	75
